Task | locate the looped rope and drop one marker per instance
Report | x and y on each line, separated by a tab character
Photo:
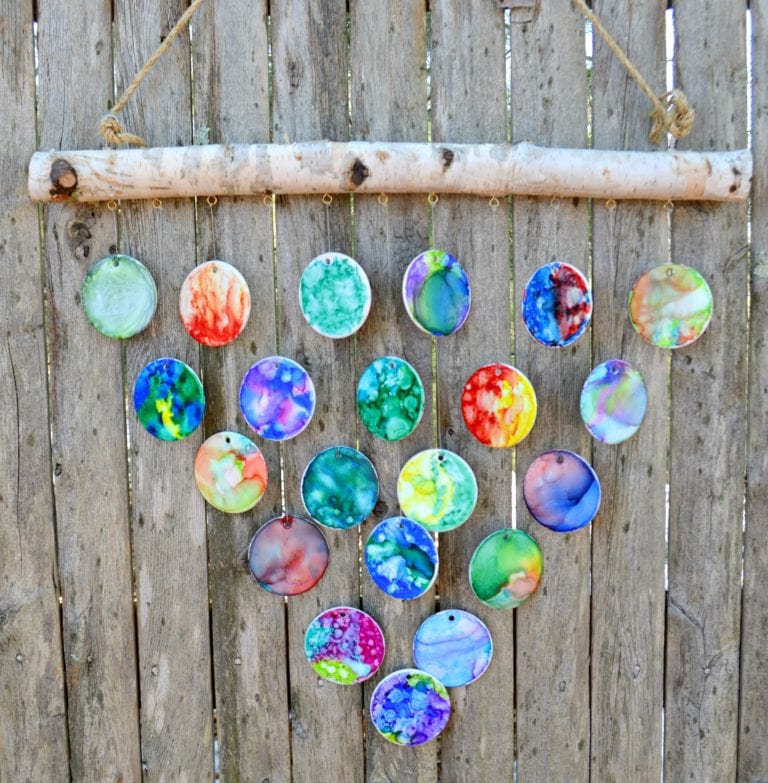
112	132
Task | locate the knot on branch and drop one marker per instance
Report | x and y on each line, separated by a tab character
112	132
671	114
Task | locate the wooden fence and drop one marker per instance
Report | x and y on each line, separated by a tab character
133	642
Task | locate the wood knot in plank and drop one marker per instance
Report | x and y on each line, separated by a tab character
358	173
63	178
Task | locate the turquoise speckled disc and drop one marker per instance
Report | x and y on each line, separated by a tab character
390	398
334	295
119	296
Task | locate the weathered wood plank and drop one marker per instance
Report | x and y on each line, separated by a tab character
552	630
628	545
310	101
707	420
88	419
389	101
168	512
469	105
33	730
248	624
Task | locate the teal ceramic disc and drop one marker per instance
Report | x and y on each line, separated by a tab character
334	295
119	296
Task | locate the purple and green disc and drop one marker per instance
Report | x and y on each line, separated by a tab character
561	490
340	487
401	558
454	646
506	569
168	399
436	293
410	707
613	401
277	398
390	398
344	645
288	555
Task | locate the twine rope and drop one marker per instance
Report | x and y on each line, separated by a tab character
672	113
110	128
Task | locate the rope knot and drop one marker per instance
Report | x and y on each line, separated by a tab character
673	114
112	132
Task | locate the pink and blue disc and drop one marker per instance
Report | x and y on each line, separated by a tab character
613	401
277	398
557	304
344	645
561	490
410	707
454	646
288	555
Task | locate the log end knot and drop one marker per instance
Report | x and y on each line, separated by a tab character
63	179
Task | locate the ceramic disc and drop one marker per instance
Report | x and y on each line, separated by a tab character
344	645
334	295
506	569
390	398
498	405
557	304
230	472
437	489
340	487
288	555
119	296
613	401
561	490
410	707
453	646
436	293
168	399
277	398
214	303
670	305
401	558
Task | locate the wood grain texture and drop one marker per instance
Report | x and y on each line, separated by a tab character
469	105
388	58
552	629
33	729
88	417
247	623
168	512
707	420
628	545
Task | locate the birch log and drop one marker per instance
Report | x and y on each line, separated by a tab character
387	167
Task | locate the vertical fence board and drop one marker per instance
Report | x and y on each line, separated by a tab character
88	419
388	102
549	104
168	512
248	625
469	105
708	385
33	731
753	751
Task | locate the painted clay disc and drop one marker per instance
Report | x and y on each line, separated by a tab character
670	305
334	295
168	399
505	569
390	398
436	293
340	487
410	707
613	401
214	303
401	558
344	645
277	398
561	490
119	296
454	646
288	555
498	405
437	489
557	304
230	472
